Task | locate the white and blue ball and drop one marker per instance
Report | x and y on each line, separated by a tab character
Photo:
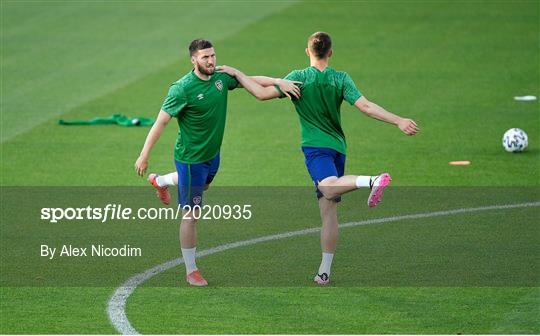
515	140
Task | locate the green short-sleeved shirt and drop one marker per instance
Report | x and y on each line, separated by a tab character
201	108
319	106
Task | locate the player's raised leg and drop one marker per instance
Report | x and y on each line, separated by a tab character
167	180
333	186
171	179
162	183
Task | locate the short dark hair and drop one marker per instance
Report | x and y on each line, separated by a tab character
320	44
199	44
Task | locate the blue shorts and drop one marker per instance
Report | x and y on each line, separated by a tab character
322	163
192	179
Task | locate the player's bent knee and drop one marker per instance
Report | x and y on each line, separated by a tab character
326	187
328	194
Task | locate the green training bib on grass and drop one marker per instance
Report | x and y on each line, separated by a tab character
115	119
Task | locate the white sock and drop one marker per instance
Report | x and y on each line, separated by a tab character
189	259
165	180
363	181
326	263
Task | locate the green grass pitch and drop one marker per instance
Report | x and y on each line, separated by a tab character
453	67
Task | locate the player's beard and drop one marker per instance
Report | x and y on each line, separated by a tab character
205	70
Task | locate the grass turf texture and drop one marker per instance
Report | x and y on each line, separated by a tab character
469	273
452	67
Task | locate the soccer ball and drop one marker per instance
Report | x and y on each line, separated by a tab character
515	140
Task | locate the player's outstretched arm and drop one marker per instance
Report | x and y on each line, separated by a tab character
407	126
257	90
288	87
153	135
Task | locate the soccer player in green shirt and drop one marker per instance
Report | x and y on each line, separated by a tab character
323	142
199	102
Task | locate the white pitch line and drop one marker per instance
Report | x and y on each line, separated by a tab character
117	302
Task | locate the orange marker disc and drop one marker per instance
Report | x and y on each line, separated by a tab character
460	163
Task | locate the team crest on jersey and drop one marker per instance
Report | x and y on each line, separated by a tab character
219	84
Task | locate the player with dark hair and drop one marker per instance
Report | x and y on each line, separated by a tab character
199	102
198	44
323	141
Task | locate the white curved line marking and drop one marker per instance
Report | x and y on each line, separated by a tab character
117	303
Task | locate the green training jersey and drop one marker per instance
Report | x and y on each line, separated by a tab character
200	107
319	106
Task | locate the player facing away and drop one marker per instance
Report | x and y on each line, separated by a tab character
323	141
199	102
